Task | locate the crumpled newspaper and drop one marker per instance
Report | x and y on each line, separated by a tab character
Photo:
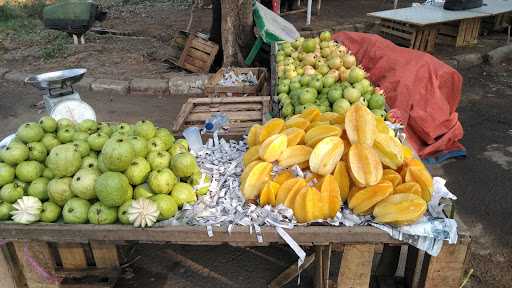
230	78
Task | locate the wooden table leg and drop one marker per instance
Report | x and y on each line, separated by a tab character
356	265
322	265
469	29
424	38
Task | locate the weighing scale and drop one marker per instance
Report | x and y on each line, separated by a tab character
60	99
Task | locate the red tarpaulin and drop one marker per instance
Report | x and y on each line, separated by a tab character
424	90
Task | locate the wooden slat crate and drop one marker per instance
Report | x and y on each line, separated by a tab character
461	33
212	88
66	265
421	38
243	112
198	54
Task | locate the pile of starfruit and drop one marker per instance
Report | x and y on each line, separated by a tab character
353	158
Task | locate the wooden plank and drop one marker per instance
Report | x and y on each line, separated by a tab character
432	40
322	265
195	235
201	45
195	62
414	268
398	26
191	68
245	116
229	107
37	263
198	54
291	272
462	33
396	33
219	100
356	266
105	254
72	255
11	275
447	269
180	119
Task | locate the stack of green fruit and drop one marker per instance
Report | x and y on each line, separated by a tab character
94	172
322	73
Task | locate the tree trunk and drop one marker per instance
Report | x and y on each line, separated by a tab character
236	31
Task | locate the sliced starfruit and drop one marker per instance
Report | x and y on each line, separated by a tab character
330	199
415	171
407	151
253	137
272	127
282	176
363	200
365	166
316	124
306	206
251	155
273	147
409	187
297	122
316	134
268	194
311	114
400	209
247	170
382	127
256	178
290	187
294	155
343	179
332	117
389	150
353	192
295	136
360	125
392	176
326	154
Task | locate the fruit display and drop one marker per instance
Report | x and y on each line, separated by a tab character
99	173
319	72
351	158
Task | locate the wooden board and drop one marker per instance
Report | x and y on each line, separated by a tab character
105	254
421	38
37	263
198	55
356	266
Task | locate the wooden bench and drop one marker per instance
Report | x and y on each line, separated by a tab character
358	246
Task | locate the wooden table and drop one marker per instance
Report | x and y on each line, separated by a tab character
79	245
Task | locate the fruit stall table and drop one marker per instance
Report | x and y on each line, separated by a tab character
77	251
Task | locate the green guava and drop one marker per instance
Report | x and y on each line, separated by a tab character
97	140
183	193
65	123
50	213
182	142
82	147
200	182
48	124
80	136
88	126
28	171
124	128
159	159
49	141
145	129
142	191
75	211
139	145
105	128
156	144
30	132
11	192
101	164
66	135
166	136
48	173
166	205
113	189
90	162
14	153
122	212
5	211
83	183
101	214
138	171
64	160
22	184
117	154
184	164
59	190
39	188
6	174
162	181
37	151
176	149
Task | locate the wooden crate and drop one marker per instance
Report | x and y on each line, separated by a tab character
198	54
243	112
461	33
421	38
212	88
64	265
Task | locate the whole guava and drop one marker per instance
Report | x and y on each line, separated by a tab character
51	212
83	183
184	164
90	162
59	190
75	211
39	188
105	128
64	160
5	211
117	154
14	153
48	173
182	142
11	192
113	189
162	181
97	140
88	126
79	135
159	159
122	212
145	129
49	141
48	124
65	123
82	147
142	191
22	184
138	171
66	134
101	164
6	174
101	214
166	137
176	149
166	205
30	132
28	171
37	151
183	193
139	145
156	144
123	127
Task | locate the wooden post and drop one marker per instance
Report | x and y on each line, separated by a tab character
447	269
105	254
322	265
356	265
